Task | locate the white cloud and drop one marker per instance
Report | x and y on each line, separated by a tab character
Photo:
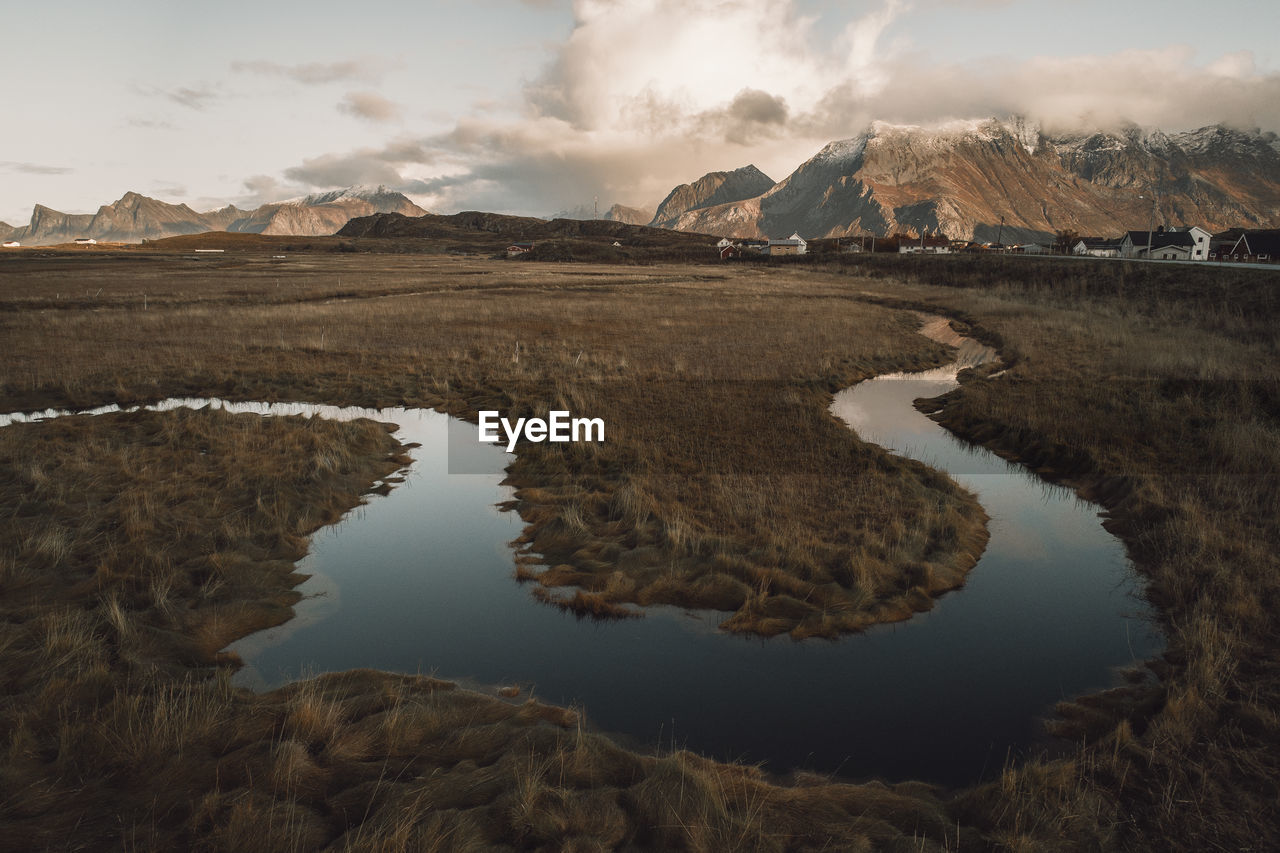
369	106
645	94
34	168
367	69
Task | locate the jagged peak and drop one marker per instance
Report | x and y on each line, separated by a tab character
750	170
362	192
1025	132
843	149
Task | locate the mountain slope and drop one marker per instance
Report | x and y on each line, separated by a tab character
980	180
491	232
319	214
616	213
711	190
136	217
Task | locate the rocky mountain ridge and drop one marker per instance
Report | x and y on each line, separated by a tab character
714	189
615	213
1010	180
135	217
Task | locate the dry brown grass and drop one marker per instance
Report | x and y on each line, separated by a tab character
1154	390
151	556
1184	457
724	482
117	733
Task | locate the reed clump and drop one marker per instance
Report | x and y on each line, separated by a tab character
122	728
1153	390
723	480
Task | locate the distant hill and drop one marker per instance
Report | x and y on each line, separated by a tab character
964	178
711	190
136	217
615	213
323	213
475	231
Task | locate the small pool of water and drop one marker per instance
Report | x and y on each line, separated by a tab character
421	580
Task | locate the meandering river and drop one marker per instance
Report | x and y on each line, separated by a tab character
421	580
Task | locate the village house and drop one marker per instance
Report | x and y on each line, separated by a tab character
1221	244
86	241
1170	253
1031	249
793	245
934	245
12	244
1260	246
1201	241
1097	247
1165	245
515	250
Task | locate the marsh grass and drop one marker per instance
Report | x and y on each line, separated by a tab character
161	537
1152	389
1183	758
722	470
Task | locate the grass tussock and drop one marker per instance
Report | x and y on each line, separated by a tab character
139	544
724	483
1149	388
1152	389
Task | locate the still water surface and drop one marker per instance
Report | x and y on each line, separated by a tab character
421	581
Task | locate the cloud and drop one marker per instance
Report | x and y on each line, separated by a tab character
1157	88
368	69
364	166
369	106
192	98
148	123
644	95
262	189
34	168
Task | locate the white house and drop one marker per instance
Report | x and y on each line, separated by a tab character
12	244
1134	243
1170	253
793	245
1097	247
935	245
1200	241
724	243
86	241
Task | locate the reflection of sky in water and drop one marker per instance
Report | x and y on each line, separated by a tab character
421	581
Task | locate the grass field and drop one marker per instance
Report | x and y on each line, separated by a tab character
691	370
1152	389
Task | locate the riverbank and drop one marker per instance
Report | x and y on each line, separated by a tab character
1187	762
145	541
724	483
1153	391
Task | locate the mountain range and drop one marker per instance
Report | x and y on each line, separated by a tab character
615	213
136	217
985	180
992	179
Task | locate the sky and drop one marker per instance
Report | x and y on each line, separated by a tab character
538	106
